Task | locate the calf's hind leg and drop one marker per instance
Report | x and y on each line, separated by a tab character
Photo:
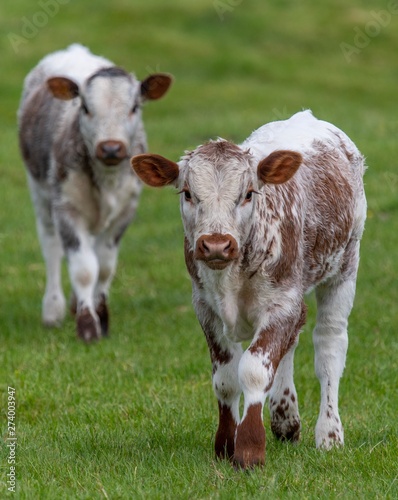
54	304
334	301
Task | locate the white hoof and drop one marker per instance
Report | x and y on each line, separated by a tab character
329	433
54	306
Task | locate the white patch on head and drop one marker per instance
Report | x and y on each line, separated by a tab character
76	62
110	102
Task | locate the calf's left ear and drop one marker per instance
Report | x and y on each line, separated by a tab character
155	170
279	167
155	86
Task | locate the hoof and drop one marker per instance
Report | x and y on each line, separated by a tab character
287	430
329	432
250	440
88	328
225	436
103	315
53	310
249	461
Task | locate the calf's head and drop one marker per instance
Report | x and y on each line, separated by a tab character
218	183
110	109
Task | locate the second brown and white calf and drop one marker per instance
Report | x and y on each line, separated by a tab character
266	222
80	120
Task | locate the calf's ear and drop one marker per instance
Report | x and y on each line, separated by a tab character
155	170
155	86
279	167
63	88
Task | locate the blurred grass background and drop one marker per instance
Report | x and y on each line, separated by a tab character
134	416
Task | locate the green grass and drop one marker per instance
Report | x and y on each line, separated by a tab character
134	416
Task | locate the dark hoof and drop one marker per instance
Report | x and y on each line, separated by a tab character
249	463
73	304
289	433
87	326
103	315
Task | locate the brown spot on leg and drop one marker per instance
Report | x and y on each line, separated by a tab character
103	314
225	436
250	439
86	325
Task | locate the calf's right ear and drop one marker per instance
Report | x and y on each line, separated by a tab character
155	170
63	88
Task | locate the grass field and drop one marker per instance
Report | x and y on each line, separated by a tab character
134	416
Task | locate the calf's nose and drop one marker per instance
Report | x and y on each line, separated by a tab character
111	152
216	250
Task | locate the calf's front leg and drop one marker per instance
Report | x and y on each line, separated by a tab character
83	271
257	373
227	390
225	357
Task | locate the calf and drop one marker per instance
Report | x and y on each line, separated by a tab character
266	222
79	122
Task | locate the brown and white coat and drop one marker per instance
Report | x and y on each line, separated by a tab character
266	222
79	122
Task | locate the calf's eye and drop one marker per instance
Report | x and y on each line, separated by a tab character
186	193
249	196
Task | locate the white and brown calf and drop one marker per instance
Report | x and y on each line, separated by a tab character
266	222
79	123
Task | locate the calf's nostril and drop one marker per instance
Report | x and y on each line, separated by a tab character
227	247
205	248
